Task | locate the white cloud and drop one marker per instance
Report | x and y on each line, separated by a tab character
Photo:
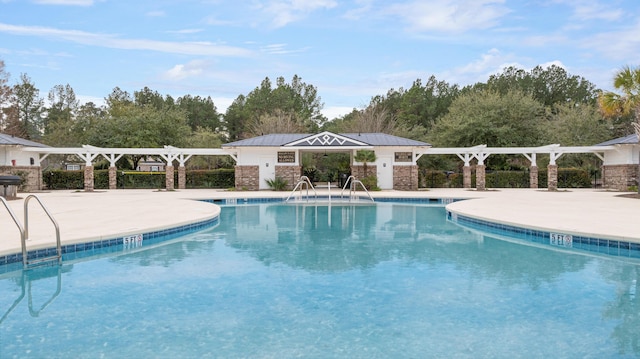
450	15
65	2
156	13
544	40
283	12
111	41
622	45
593	10
191	69
185	31
479	70
334	112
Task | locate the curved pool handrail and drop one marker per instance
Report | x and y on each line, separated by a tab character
352	182
304	180
25	236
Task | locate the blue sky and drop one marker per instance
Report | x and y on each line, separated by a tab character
349	50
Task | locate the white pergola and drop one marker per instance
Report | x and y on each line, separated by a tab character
481	152
89	153
170	154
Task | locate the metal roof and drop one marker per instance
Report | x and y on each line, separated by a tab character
627	140
371	139
383	139
9	140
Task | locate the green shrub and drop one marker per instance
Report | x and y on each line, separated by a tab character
277	184
370	183
218	178
58	179
507	179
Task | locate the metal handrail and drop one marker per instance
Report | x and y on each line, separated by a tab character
26	229
352	182
17	222
304	180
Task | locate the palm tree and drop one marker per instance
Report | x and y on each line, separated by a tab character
612	104
365	156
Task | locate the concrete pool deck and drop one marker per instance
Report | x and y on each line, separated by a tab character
90	216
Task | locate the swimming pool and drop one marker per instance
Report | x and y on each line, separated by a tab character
274	280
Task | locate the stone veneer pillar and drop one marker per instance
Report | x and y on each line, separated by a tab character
88	178
619	177
247	178
533	177
113	177
182	177
552	177
169	182
291	174
466	177
405	178
481	177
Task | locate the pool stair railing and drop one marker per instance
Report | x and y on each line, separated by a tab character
303	184
301	190
353	183
24	233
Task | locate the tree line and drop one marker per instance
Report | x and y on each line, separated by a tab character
513	108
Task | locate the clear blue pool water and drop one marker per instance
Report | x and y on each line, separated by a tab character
365	281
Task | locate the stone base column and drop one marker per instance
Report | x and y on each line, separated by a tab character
533	177
481	177
88	178
291	174
619	177
405	178
466	177
552	179
169	182
247	178
113	177
182	177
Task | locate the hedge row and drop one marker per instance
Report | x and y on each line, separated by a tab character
220	178
567	178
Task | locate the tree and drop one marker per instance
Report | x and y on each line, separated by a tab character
278	121
614	105
129	125
365	156
201	112
487	117
59	121
422	105
297	99
549	85
5	96
27	108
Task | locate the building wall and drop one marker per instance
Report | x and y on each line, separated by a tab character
619	177
13	155
622	155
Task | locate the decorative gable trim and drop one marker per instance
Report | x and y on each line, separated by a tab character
326	139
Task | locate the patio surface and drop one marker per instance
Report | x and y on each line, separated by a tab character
105	214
